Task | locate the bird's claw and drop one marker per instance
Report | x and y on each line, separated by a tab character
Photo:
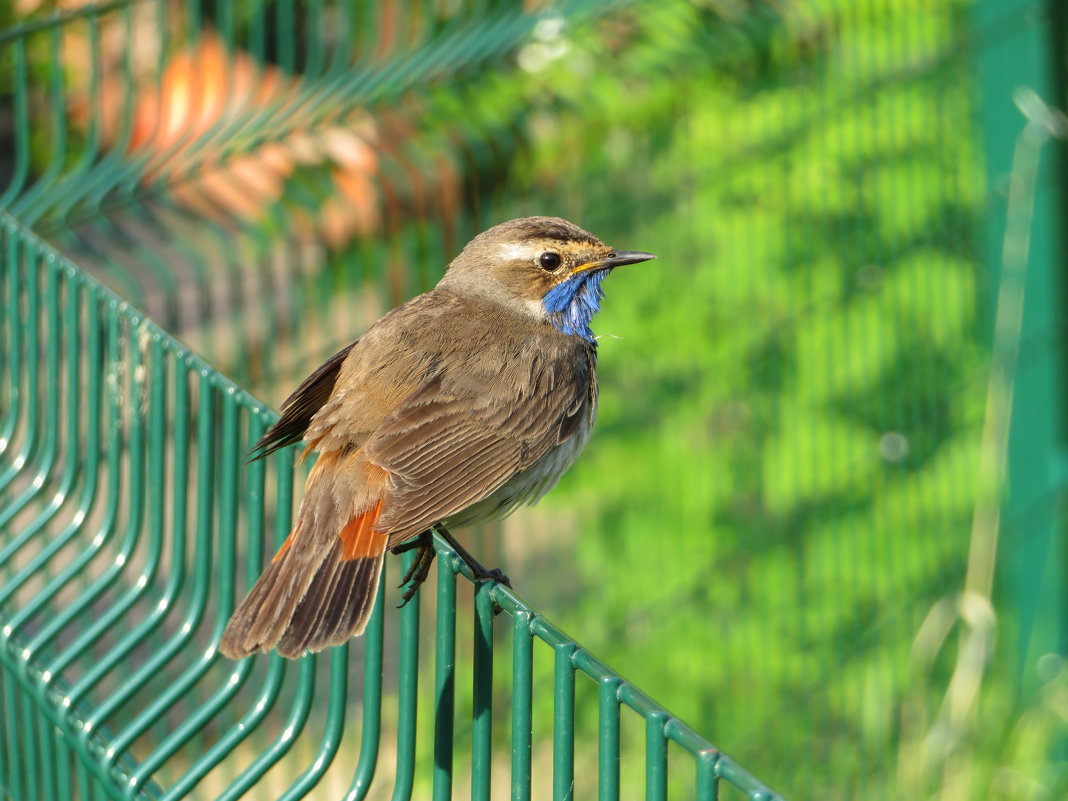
419	569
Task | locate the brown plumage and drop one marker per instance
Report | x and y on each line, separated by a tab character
453	408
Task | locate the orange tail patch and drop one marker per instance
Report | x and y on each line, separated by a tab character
359	540
285	545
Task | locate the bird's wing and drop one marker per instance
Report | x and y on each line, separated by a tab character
461	436
300	407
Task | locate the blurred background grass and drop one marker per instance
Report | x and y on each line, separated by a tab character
770	529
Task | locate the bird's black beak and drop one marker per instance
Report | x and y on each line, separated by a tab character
617	258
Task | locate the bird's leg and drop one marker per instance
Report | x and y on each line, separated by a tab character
420	568
481	573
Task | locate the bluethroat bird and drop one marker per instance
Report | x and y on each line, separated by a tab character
454	408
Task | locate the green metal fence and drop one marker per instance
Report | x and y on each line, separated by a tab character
130	521
777	526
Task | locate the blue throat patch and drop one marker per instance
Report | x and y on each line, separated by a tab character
572	304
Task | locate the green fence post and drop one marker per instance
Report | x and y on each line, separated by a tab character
1016	53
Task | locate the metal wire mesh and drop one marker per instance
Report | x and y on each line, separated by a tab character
131	523
148	138
779	497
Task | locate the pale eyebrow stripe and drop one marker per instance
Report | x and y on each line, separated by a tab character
515	250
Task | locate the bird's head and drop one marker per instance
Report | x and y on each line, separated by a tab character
544	267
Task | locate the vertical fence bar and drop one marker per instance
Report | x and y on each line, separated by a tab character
28	724
48	756
25	278
12	337
444	678
64	786
407	694
482	714
707	786
13	780
5	767
522	717
608	739
82	780
656	778
563	723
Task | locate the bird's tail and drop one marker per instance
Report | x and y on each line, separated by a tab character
319	589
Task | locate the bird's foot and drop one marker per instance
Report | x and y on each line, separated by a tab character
419	569
494	574
497	575
479	572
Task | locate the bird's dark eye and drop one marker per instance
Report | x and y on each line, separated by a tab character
550	261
